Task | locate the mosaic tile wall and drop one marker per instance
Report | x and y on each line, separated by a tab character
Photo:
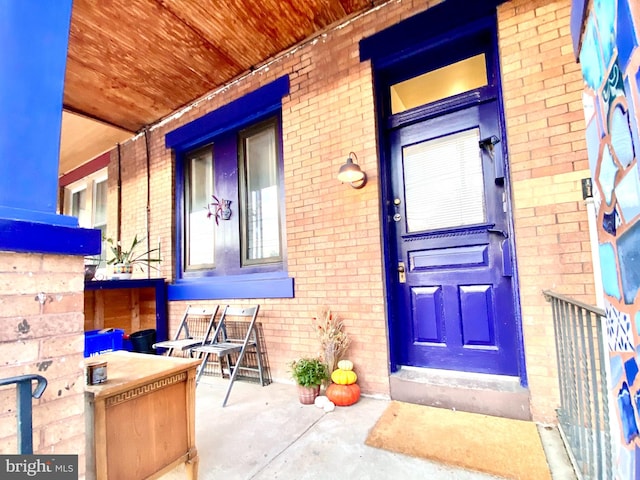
610	61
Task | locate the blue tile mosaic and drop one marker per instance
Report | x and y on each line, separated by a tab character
609	272
628	196
608	171
627	414
613	90
631	370
633	124
590	58
616	369
593	145
605	11
626	464
626	38
619	330
609	222
621	140
629	261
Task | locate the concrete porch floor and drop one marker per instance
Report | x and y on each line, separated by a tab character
265	433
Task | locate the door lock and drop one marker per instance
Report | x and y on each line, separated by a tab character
402	276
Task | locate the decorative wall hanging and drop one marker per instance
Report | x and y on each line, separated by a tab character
219	209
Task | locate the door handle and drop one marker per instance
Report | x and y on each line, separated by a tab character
402	276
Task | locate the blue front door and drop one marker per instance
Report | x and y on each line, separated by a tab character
450	261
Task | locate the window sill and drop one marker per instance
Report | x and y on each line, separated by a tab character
232	287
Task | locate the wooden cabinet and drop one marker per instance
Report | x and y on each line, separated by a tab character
130	305
141	421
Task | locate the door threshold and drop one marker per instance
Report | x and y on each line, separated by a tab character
496	395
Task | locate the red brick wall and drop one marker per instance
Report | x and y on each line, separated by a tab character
542	88
45	339
333	232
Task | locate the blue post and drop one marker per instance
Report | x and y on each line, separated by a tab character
34	35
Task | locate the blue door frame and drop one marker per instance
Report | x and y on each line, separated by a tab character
401	52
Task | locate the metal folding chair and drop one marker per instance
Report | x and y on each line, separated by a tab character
195	329
223	344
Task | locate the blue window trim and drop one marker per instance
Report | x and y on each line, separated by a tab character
256	285
251	108
242	111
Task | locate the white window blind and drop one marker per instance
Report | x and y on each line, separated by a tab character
444	185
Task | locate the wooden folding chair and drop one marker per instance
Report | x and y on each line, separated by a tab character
195	329
222	344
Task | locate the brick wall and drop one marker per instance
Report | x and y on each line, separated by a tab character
45	339
542	89
333	232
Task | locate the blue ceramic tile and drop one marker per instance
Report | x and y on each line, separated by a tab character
627	415
605	12
619	330
609	270
631	115
621	140
590	58
628	196
629	262
608	171
631	370
616	369
609	222
626	38
626	464
593	145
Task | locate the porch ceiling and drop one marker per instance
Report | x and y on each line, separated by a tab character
132	62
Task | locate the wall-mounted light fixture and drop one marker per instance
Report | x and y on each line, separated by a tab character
351	173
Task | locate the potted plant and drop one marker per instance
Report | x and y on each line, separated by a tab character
309	373
123	260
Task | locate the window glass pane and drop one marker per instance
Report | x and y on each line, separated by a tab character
199	229
262	222
444	82
444	185
100	203
79	208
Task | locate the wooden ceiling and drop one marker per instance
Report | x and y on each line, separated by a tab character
132	62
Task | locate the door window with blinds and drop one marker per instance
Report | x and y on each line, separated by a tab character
444	184
244	168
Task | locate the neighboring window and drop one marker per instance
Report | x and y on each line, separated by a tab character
260	206
87	200
242	166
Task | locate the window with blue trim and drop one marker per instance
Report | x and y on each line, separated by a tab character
230	201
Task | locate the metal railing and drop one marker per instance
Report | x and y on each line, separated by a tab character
583	415
23	401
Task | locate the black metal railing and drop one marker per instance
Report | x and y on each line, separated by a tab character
583	416
24	410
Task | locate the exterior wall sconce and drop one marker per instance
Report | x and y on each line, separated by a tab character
351	173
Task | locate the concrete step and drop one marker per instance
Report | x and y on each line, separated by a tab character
496	395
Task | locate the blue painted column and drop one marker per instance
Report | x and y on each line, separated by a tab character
34	35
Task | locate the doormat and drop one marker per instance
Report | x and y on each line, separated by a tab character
498	446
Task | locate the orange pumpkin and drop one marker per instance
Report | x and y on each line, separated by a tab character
343	395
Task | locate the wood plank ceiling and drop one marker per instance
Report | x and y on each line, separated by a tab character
132	62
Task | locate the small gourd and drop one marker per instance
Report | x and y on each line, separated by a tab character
344	377
345	365
343	395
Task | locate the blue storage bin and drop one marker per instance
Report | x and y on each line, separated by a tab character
102	341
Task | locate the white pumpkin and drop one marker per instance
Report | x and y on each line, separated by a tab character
329	406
